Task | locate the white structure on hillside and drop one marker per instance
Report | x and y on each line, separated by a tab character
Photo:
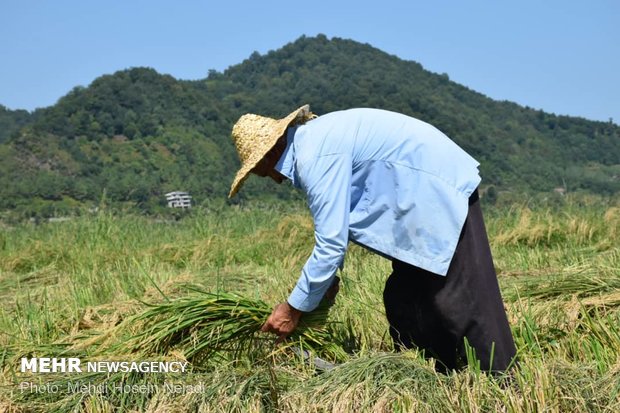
178	199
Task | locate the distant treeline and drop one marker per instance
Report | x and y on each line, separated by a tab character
135	135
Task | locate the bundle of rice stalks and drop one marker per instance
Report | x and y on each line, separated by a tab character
377	382
204	325
582	281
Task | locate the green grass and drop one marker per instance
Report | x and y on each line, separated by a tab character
127	287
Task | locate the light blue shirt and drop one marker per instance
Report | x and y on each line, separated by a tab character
386	181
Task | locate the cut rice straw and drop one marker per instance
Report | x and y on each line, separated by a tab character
205	325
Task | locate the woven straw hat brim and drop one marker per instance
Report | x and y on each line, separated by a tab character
254	136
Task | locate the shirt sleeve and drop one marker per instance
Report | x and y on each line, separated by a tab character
327	182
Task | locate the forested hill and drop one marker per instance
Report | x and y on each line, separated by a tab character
137	134
11	121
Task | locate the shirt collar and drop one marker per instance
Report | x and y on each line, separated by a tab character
286	164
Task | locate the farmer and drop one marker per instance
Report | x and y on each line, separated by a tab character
401	188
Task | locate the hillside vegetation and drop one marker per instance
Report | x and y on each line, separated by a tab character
134	135
11	121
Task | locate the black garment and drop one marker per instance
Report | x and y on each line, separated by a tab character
437	313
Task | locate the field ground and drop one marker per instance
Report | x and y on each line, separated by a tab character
66	287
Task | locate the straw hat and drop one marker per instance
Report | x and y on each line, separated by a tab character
256	135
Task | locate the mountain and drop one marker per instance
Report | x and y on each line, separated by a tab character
136	134
11	121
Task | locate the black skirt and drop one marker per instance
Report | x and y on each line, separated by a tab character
439	314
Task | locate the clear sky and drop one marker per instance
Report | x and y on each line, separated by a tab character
562	56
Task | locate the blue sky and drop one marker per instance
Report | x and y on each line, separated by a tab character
559	56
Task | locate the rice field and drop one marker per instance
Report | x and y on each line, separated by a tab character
120	287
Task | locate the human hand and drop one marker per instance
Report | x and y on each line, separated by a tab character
285	318
282	321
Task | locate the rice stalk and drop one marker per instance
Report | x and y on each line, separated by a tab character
581	281
378	382
204	325
65	393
